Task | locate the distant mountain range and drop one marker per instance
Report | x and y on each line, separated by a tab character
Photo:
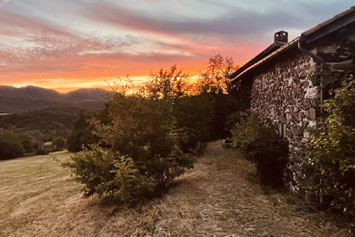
30	98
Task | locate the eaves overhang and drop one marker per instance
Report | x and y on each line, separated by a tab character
308	37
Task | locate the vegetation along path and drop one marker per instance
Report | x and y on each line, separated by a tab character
219	197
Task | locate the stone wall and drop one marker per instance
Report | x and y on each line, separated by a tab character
286	95
288	92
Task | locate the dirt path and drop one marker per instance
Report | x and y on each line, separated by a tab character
220	198
217	198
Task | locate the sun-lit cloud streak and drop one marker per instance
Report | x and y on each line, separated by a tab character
67	44
3	2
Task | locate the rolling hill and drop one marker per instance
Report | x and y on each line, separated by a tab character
31	98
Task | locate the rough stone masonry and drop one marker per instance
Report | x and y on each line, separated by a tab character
289	90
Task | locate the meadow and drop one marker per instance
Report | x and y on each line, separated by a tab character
219	197
31	188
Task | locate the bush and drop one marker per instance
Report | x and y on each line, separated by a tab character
82	135
332	152
225	106
105	173
146	137
195	116
59	143
10	146
264	147
138	153
28	142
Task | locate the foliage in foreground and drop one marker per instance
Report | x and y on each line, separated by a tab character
264	147
148	136
138	154
106	173
332	151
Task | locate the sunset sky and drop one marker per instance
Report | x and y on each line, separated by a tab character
68	44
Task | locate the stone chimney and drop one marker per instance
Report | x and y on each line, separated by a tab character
281	37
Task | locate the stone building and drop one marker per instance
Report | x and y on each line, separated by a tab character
288	81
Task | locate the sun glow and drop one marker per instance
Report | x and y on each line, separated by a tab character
72	44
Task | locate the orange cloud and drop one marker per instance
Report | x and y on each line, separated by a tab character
38	52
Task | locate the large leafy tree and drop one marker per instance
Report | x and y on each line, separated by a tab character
216	78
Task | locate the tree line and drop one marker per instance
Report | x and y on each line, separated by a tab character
36	132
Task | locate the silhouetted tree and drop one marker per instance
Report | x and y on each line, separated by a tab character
10	145
59	143
82	134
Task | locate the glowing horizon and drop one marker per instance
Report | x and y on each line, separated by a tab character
65	44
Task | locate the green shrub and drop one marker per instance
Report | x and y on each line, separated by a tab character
155	129
264	147
143	131
332	151
106	173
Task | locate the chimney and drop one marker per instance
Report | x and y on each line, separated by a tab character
281	37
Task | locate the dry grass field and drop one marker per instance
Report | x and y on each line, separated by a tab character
219	197
31	189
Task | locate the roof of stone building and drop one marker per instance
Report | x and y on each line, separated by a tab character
274	46
325	28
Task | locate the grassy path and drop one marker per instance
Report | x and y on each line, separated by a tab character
219	197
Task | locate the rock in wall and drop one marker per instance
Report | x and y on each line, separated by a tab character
286	95
288	91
